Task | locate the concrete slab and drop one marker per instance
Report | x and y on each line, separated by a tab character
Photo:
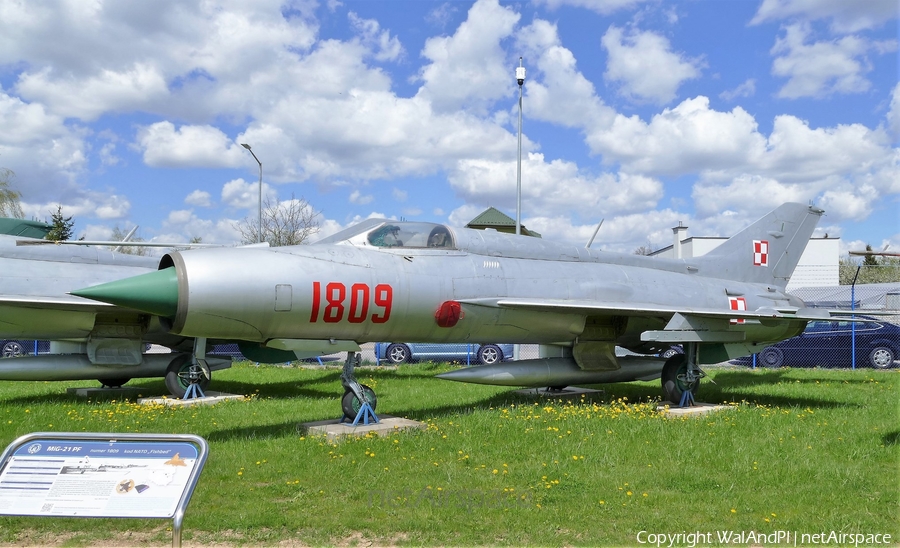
210	399
106	393
334	430
566	393
696	410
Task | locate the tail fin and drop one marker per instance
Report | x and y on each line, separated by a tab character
768	250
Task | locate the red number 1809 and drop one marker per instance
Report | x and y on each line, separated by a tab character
357	309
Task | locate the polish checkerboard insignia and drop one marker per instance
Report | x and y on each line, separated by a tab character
760	253
737	303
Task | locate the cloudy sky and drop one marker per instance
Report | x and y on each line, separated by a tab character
643	113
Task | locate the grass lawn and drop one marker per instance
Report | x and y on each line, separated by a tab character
801	451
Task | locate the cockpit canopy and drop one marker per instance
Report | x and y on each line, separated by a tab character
401	234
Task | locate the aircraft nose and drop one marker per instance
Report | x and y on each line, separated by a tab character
155	292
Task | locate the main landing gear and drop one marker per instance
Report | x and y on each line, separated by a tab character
359	401
681	376
187	378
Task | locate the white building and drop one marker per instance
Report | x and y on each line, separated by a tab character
818	265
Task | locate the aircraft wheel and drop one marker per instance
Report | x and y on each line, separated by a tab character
673	387
490	354
350	404
178	377
114	383
881	357
13	349
771	357
398	353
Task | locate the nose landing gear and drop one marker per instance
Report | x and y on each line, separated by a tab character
359	400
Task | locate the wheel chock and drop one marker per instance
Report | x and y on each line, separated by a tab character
365	413
687	399
193	391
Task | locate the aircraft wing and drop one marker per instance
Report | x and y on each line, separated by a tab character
634	308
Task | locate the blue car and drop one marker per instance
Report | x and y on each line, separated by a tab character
12	349
487	354
828	343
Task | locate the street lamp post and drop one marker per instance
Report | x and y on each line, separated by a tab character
520	78
259	213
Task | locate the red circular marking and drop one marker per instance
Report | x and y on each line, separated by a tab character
448	314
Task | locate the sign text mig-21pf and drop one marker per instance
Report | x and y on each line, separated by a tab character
416	281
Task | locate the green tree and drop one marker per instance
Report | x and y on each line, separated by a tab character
62	226
869	259
886	271
10	204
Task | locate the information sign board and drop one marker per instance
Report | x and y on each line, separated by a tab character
101	475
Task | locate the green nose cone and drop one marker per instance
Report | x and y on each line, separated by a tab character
154	292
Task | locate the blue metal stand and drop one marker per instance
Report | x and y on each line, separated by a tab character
687	399
193	391
364	413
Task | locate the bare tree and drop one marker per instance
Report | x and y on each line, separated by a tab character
290	222
10	205
644	250
118	235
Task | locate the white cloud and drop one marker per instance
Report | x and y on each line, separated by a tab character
555	186
88	98
384	46
603	7
470	69
199	198
684	139
187	146
822	68
84	60
557	91
846	16
88	204
893	115
356	197
644	65
240	194
746	89
40	148
399	194
183	225
748	194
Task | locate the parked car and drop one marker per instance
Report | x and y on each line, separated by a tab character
13	348
486	354
828	343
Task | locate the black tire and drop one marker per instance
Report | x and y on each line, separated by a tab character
882	357
114	383
350	404
398	353
673	388
771	357
489	354
13	349
178	377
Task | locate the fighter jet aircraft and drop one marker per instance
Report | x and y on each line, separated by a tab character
89	340
388	280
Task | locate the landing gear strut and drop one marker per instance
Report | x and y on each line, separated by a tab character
359	401
681	376
188	378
